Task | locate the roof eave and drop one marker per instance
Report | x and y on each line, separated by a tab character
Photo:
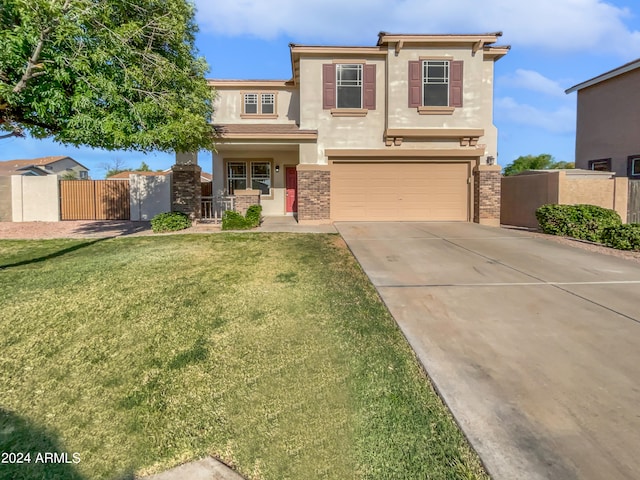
628	67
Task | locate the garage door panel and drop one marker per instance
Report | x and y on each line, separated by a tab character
400	191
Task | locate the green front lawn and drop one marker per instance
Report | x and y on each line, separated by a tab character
272	352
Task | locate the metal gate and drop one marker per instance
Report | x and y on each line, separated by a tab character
633	209
94	200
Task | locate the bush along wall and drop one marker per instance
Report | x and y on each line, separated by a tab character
622	237
586	222
170	222
235	221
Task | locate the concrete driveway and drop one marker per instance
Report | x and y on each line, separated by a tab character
534	345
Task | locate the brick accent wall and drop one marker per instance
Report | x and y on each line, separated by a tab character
486	195
244	199
186	190
313	195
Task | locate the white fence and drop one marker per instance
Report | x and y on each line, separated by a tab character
213	207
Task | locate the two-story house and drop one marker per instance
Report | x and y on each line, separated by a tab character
402	130
607	121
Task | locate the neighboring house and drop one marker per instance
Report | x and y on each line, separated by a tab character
61	166
398	131
608	121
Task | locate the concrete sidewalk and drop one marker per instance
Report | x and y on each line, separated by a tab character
206	469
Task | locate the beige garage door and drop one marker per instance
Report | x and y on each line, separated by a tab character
399	191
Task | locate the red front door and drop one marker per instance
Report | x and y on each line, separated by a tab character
292	189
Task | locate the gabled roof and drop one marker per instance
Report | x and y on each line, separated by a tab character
6	170
627	67
38	162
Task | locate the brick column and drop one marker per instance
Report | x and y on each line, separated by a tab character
244	199
186	190
486	195
314	185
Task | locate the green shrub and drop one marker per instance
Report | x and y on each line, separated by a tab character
622	237
234	221
253	215
170	222
586	222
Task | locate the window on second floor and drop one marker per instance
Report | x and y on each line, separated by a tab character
348	88
435	85
259	104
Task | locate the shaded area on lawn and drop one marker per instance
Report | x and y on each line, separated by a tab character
30	258
19	437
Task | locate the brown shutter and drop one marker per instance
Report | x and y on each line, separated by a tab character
415	83
328	86
455	83
369	83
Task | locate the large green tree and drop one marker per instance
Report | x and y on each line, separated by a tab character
543	161
114	74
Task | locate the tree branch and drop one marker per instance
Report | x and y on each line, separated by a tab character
32	64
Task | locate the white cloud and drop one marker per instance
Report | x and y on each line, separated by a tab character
561	120
557	25
534	81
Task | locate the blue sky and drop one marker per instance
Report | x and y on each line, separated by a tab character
555	44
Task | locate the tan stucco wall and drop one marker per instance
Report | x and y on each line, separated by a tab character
523	194
228	105
477	104
607	122
588	191
274	204
621	196
338	132
149	196
35	199
5	199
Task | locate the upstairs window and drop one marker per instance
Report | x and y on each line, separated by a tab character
268	103
259	104
349	86
435	84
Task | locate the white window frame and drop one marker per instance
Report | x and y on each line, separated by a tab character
268	96
231	177
358	82
426	80
259	99
249	175
255	177
634	160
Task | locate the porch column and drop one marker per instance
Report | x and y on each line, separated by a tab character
486	195
314	189
185	185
